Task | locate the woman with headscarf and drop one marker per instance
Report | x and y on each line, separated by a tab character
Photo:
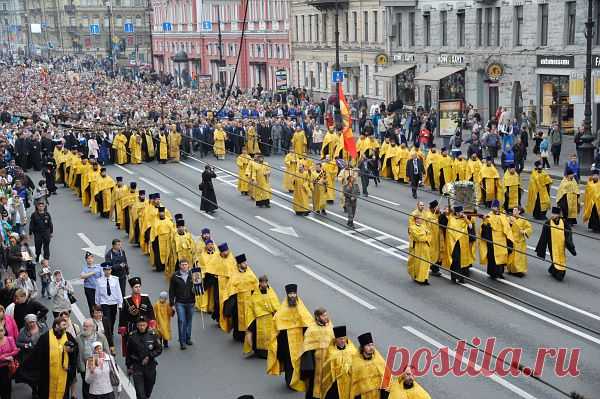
97	373
26	342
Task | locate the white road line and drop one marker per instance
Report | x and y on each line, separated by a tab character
193	207
335	287
384	200
124	169
156	186
252	240
540	295
191	167
493	377
125	383
530	312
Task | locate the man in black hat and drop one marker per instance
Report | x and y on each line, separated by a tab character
538	192
118	193
134	306
135	217
161	238
435	223
555	238
335	379
367	370
184	243
591	207
263	305
241	284
143	347
108	295
444	167
460	236
126	205
317	339
290	322
496	241
102	196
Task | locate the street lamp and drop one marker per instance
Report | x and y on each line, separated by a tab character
586	150
180	58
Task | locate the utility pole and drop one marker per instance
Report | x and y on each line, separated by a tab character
150	33
111	54
586	150
221	63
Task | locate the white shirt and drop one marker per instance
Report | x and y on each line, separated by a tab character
102	297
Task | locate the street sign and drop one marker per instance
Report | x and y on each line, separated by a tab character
95	29
167	26
337	76
207	26
50	46
128	27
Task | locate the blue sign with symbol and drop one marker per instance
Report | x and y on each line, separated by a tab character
95	29
337	76
167	26
207	25
128	27
50	45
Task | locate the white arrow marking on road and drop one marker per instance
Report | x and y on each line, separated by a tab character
125	382
194	207
124	169
493	377
98	250
156	186
335	287
279	229
252	240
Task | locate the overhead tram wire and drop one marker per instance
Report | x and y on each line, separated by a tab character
422	189
409	215
241	219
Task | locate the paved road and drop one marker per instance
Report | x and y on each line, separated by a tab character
360	277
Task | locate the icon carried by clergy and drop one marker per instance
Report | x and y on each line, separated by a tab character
461	193
197	280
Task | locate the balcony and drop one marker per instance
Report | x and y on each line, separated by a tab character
70	9
327	4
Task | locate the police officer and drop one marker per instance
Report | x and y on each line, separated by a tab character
40	226
143	347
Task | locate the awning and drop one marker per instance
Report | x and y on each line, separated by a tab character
438	73
390	72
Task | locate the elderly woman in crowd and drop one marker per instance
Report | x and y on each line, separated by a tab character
86	339
97	373
27	340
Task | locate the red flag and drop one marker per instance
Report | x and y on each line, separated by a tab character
349	143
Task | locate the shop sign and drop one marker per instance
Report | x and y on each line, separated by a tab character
451	59
596	61
381	59
555	61
403	57
495	71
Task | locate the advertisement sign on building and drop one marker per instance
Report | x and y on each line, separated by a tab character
555	61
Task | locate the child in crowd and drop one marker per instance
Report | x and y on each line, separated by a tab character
45	277
163	314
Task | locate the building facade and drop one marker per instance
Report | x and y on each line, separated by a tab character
524	55
80	27
195	30
362	37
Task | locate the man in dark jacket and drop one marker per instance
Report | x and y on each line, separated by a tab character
143	349
182	299
415	171
40	226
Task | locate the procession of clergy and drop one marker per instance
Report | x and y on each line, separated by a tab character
314	356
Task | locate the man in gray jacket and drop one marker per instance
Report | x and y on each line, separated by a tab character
85	341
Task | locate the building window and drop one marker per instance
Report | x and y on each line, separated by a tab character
319	75
479	27
346	27
427	29
303	30
399	29
518	21
298	69
544	24
366	80
355	20
488	27
324	29
297	28
571	14
326	70
375	26
444	21
366	25
497	26
411	29
460	22
318	32
377	69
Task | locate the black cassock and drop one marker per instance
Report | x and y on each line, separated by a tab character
230	309
211	280
545	243
594	222
537	212
209	198
494	270
563	204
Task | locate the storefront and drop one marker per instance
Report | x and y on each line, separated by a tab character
399	80
443	89
557	89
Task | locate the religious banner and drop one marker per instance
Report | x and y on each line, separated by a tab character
449	117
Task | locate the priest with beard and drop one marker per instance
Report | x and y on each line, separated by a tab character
490	186
135	211
591	202
216	279
102	194
242	282
538	194
317	339
52	365
119	192
263	305
209	252
405	387
335	380
460	236
555	238
496	242
285	348
368	368
567	196
183	243
146	219
161	239
127	202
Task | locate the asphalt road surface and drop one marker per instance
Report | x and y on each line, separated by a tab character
358	276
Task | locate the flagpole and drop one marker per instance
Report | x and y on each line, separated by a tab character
337	57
